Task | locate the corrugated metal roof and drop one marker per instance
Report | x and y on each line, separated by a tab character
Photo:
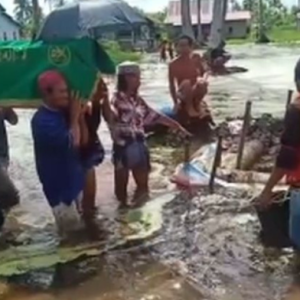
174	13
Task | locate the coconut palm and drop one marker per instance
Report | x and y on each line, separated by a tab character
36	16
23	11
199	26
218	22
186	20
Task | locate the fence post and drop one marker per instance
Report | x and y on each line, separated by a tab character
246	123
216	164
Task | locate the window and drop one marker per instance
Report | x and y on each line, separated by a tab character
15	35
230	30
4	36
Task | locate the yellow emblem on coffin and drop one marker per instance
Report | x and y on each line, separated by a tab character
59	55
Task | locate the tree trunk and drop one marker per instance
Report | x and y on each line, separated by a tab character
187	27
217	32
36	16
199	28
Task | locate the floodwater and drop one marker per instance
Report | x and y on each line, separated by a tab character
208	245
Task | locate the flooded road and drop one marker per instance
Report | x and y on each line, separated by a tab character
215	243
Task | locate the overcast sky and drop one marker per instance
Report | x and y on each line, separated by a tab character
147	5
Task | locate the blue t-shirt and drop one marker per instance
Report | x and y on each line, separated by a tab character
58	163
4	153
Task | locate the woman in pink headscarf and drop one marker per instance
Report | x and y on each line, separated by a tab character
57	142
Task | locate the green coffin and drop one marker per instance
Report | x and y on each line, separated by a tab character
21	62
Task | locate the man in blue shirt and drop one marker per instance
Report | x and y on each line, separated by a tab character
58	132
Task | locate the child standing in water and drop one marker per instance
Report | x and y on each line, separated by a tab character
130	151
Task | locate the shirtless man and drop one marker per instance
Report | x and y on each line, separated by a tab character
188	86
187	78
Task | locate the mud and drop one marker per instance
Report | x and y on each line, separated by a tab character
214	241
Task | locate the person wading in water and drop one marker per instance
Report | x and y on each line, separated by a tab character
9	195
163	51
57	140
288	165
130	152
188	86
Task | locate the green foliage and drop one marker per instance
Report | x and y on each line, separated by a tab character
118	55
23	11
24	14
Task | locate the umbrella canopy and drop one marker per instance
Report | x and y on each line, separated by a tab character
90	18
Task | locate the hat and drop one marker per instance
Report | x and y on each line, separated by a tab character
128	67
49	79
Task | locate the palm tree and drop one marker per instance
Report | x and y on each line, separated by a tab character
217	27
187	27
36	16
199	27
23	11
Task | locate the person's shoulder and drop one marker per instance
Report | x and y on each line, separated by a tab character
42	116
174	62
293	112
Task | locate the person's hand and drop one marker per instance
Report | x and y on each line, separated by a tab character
264	200
87	108
75	107
101	93
183	131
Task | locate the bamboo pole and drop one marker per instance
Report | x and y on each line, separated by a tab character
216	164
246	123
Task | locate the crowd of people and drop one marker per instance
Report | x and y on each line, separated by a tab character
67	147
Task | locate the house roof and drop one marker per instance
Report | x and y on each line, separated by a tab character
174	13
8	17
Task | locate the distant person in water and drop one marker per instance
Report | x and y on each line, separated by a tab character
163	51
57	143
131	114
9	196
188	86
218	58
171	50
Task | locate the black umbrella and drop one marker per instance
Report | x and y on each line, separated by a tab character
90	18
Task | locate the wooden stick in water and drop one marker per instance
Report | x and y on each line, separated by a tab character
246	123
216	164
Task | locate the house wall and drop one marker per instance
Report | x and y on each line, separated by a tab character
233	29
8	30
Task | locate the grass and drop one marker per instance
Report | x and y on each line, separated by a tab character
119	55
277	35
